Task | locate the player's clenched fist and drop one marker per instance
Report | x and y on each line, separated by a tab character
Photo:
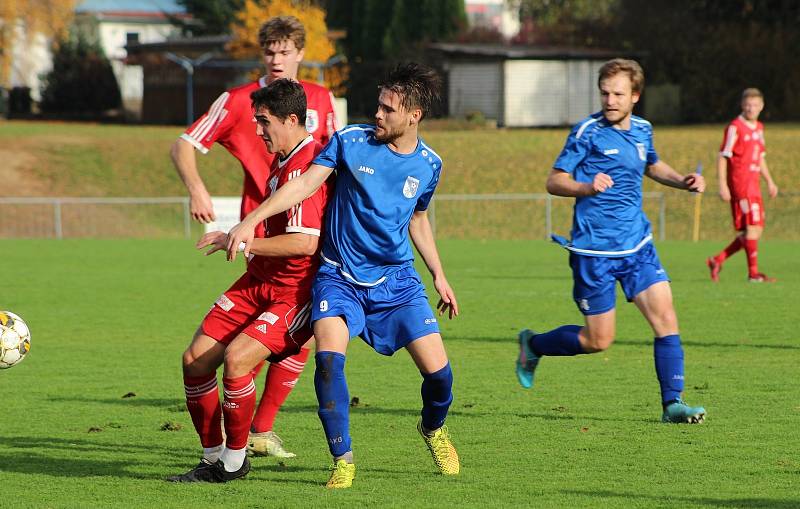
695	182
601	183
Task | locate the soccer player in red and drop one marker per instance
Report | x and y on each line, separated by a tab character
229	122
741	163
265	313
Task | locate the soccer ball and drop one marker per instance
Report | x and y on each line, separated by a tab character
15	339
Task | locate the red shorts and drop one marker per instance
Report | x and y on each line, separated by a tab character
275	316
747	212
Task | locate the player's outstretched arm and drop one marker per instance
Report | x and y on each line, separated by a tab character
280	246
773	189
561	183
422	236
183	158
664	174
722	177
291	193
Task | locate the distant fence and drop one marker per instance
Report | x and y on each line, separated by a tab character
95	217
469	216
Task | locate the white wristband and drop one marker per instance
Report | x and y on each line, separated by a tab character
241	247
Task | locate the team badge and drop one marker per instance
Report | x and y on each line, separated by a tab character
642	151
273	184
312	120
410	187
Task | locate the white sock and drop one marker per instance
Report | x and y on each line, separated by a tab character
233	459
212	454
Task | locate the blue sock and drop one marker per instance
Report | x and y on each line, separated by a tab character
334	401
437	394
562	341
668	354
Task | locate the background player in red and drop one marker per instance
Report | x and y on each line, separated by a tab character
741	164
229	122
265	314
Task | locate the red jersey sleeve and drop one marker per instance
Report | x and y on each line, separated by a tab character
215	124
728	141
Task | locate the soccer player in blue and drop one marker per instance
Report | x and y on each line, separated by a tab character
602	166
366	285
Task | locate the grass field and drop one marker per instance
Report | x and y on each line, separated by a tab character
111	317
73	159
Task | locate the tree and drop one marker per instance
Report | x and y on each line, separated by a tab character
319	49
25	19
82	82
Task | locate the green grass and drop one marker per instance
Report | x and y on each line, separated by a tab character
74	159
111	317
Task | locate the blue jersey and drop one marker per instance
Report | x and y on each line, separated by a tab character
611	223
377	191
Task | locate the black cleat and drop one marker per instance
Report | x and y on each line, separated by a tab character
211	472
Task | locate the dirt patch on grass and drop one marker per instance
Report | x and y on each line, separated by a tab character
16	176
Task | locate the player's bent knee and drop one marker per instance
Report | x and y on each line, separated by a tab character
598	342
236	363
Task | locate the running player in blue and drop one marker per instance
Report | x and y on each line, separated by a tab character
602	166
367	286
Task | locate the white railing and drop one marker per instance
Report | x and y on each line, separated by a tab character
54	227
548	206
58	205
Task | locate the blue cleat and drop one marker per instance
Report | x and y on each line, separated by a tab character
527	360
679	412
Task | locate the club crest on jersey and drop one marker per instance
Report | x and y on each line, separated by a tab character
642	151
312	120
410	187
273	184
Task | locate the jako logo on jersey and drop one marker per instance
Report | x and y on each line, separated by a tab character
642	151
410	187
366	169
584	304
224	302
312	120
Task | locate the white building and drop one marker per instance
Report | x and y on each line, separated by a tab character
522	86
500	15
115	23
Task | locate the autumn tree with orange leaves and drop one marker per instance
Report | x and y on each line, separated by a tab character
319	48
21	20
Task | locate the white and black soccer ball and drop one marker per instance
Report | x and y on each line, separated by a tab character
15	339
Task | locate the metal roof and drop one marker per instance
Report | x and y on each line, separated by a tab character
508	52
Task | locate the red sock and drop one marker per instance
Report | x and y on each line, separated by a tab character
202	400
240	400
256	370
281	378
732	248
751	248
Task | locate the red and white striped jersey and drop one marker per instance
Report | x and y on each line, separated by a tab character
306	217
229	122
743	147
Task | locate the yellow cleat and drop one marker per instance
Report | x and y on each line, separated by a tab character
267	443
342	475
442	449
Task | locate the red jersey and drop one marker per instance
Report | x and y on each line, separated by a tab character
305	217
229	122
743	147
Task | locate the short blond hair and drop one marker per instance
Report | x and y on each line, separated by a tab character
752	92
282	28
622	65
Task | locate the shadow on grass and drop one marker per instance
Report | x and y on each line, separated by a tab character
583	419
173	404
512	341
367	408
715	502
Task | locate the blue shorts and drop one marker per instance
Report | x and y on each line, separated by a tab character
387	317
594	288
